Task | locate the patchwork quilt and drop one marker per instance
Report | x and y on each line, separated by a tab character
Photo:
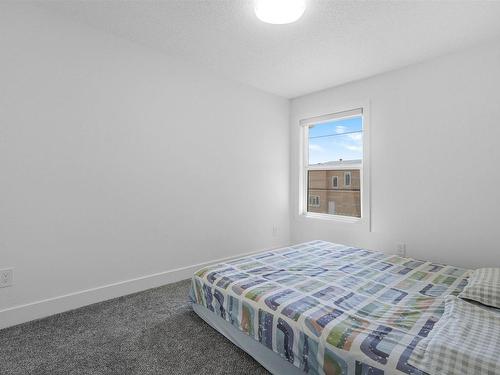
329	308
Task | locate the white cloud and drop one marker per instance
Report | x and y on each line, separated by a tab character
340	129
317	148
354	148
356	136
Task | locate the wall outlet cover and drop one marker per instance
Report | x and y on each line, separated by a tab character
401	249
6	277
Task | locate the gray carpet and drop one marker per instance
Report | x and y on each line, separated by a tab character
152	332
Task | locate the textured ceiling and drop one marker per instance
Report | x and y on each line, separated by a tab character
334	43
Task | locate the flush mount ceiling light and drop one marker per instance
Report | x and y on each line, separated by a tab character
279	12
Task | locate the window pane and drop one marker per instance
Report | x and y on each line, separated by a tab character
347	178
336	140
336	158
335	181
342	200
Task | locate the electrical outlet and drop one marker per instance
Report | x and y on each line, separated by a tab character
6	277
401	249
275	230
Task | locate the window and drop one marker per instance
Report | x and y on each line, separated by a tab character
335	182
333	150
314	201
347	179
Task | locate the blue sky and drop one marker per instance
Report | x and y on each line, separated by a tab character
334	140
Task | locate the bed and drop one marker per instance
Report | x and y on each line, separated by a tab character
324	308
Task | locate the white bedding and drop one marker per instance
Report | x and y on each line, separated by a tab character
466	340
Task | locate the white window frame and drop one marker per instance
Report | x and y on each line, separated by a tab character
335	178
365	180
348	173
314	204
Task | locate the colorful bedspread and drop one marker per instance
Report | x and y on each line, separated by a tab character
331	309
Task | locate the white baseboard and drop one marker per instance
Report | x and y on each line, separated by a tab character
43	308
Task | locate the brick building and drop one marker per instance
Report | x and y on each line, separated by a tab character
335	191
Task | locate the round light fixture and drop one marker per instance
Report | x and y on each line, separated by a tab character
279	12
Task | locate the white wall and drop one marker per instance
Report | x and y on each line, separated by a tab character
118	162
435	131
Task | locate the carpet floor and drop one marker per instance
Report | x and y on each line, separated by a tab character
151	332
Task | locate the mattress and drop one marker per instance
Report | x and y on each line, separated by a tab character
269	359
330	309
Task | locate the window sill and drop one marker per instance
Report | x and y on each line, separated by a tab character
343	219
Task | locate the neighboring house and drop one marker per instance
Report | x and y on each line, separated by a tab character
335	191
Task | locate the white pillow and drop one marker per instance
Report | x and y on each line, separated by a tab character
465	341
484	287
